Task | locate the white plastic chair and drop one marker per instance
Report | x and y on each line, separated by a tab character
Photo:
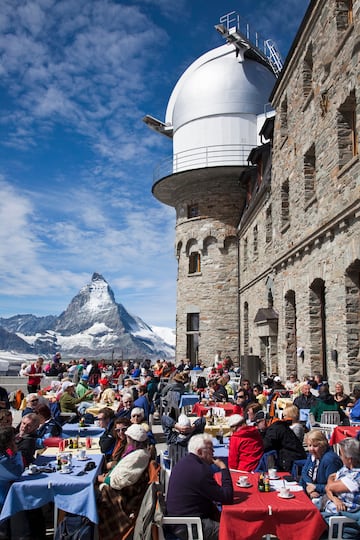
336	525
330	417
193	524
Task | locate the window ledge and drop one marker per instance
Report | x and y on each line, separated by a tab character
346	35
348	165
285	227
310	202
308	100
194	274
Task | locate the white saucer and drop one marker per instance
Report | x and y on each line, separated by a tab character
245	486
64	472
290	496
82	458
35	472
274	478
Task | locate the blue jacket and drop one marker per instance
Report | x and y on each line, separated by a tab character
330	462
11	468
355	412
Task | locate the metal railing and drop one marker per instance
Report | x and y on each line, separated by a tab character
202	157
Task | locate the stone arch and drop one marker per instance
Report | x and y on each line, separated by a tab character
352	313
290	331
207	243
178	249
229	243
317	327
191	246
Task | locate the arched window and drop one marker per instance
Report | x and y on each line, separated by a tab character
317	327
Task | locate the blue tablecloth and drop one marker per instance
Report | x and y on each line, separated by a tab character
188	399
74	430
221	451
71	493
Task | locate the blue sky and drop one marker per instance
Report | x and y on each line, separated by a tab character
76	160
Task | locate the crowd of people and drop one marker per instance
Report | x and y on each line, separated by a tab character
265	426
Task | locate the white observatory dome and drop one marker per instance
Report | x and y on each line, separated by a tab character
215	104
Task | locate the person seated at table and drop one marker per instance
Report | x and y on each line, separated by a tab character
119	429
250	412
291	413
240	403
6	418
340	397
137	417
278	436
229	386
176	384
130	387
193	490
325	403
217	392
49	426
123	488
105	394
320	463
26	435
306	400
11	468
181	431
259	395
107	440
69	400
246	446
143	402
343	488
246	386
32	401
82	389
355	409
126	405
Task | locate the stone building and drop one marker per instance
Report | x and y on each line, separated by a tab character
267	222
213	117
300	233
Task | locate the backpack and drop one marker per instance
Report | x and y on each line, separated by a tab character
74	527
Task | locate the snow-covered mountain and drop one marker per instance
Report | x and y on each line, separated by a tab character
93	325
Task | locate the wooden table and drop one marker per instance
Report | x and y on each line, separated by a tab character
256	513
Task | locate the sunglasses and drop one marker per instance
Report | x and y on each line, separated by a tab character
123	429
34	400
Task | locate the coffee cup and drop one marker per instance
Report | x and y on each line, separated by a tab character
272	473
65	468
284	492
33	469
82	453
243	480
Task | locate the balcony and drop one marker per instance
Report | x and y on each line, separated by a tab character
226	155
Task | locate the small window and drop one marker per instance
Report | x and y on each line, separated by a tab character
193	211
284	119
285	209
308	72
194	263
344	14
192	322
347	135
268	225
245	252
309	173
255	233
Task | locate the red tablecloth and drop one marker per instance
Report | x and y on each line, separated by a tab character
341	432
201	410
251	514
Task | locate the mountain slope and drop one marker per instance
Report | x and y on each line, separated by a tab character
93	324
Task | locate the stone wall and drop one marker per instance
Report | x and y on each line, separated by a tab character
318	238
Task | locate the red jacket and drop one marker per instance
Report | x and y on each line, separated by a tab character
246	448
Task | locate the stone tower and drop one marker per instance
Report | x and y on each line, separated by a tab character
213	117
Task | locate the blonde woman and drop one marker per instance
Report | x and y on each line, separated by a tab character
291	412
320	464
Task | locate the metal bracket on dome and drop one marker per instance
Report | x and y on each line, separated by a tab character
158	126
